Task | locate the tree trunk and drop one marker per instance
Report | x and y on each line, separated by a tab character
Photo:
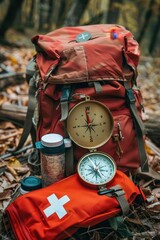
74	15
61	11
113	11
50	13
146	21
8	21
43	14
30	17
155	34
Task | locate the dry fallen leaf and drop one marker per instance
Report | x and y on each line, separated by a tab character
10	177
1	189
5	183
155	207
13	162
5	195
5	203
22	170
156	192
7	125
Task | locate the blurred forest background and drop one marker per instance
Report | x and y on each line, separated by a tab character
21	19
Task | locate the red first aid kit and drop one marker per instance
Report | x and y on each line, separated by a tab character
59	210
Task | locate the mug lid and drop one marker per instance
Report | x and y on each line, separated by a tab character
31	183
52	140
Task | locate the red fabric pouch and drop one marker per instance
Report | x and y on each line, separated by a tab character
59	210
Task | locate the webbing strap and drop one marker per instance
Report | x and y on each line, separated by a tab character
66	89
69	163
98	87
69	158
28	125
139	127
119	194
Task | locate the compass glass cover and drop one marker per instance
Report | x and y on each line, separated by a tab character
96	168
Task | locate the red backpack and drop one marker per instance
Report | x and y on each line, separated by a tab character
96	63
85	83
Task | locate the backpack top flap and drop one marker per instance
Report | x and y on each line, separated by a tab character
87	53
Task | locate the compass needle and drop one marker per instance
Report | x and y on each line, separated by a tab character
94	166
89	173
100	174
87	110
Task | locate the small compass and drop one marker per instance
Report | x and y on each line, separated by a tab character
96	169
90	124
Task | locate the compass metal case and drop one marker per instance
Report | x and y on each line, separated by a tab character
90	124
96	169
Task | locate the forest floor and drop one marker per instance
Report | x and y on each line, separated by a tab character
144	220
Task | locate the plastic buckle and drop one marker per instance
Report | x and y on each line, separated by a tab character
111	192
65	93
131	96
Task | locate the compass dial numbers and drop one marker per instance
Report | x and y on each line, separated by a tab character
96	168
90	124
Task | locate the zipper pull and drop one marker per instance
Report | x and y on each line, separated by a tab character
119	150
41	86
120	132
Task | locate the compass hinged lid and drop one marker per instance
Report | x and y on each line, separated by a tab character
90	124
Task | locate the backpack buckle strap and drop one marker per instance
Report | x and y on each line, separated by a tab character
118	192
28	126
66	90
139	126
97	85
69	167
132	105
130	96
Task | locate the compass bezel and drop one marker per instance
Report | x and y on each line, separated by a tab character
78	140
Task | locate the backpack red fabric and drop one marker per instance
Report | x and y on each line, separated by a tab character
59	210
102	57
110	58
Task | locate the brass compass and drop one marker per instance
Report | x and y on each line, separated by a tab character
90	124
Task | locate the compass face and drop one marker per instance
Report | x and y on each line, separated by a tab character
96	169
90	124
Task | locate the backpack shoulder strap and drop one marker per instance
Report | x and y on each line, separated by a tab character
64	101
28	124
139	126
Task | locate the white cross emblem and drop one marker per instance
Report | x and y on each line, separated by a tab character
56	206
83	36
